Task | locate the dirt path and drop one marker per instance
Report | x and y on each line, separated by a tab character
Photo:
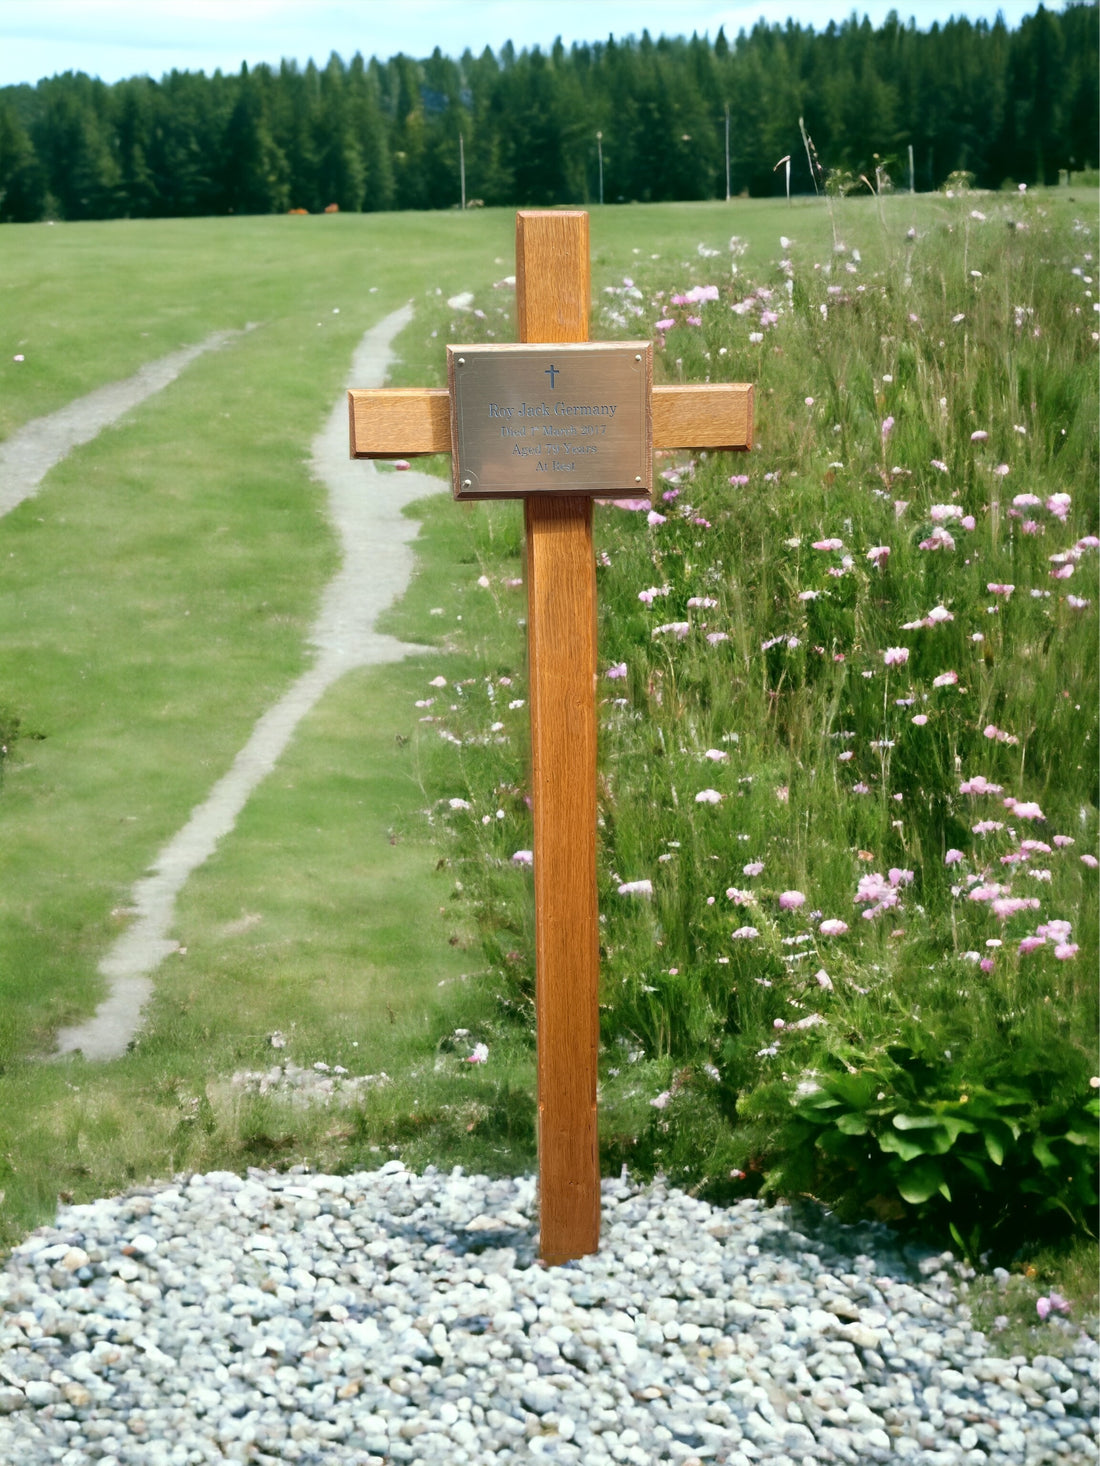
365	508
32	450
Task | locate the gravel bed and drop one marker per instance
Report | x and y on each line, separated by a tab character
389	1316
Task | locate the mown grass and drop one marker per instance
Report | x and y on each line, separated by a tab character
324	916
155	600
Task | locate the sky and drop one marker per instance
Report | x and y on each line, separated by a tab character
113	39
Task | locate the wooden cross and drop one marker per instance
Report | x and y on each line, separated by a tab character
552	305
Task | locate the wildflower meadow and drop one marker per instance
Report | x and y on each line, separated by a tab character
848	701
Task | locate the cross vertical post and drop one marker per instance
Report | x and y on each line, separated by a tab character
552	304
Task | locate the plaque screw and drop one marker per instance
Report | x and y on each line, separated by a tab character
462	361
637	356
468	483
637	478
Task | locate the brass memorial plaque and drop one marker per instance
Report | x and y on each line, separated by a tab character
545	419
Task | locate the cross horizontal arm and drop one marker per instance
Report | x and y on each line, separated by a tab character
405	422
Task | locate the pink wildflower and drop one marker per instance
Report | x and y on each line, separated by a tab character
635	888
615	671
979	437
979	784
896	656
953	857
791	900
1003	907
833	927
939	539
1055	931
831	544
523	857
1024	809
945	679
1053	1303
992	731
753	869
745	933
874	887
1059	505
708	796
995	588
879	555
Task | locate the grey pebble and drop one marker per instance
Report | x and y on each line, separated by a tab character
389	1316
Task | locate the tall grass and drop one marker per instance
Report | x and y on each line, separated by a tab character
848	791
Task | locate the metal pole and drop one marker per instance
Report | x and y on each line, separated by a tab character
727	152
599	153
462	169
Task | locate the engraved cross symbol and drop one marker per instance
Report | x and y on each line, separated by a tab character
552	306
551	371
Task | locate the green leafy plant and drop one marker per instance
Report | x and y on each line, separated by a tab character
917	1143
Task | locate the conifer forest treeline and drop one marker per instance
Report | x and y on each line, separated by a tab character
644	119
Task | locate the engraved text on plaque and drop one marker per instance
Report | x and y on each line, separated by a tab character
546	419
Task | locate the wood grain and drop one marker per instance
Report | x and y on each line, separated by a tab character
552	300
399	422
405	422
714	415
